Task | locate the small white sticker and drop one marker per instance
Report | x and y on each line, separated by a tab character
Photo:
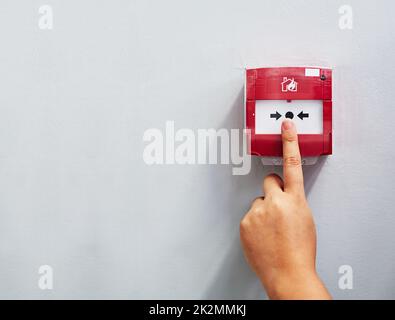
312	72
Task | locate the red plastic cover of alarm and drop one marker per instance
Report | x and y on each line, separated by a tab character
265	84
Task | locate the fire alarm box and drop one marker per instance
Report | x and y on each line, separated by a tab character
302	94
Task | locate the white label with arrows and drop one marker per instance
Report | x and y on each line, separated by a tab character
306	114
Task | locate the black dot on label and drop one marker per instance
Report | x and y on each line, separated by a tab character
289	115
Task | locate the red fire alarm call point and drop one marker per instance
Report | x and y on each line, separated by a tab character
303	94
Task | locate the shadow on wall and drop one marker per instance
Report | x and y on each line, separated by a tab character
310	173
234	279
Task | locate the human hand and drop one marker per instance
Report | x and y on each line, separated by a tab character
278	233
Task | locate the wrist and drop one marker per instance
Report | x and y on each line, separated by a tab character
305	285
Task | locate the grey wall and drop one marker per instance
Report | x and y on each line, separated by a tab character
75	101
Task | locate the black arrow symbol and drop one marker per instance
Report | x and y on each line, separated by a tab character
302	115
275	115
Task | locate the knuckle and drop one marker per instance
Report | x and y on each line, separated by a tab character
271	176
292	161
257	202
277	179
257	210
288	137
244	223
276	203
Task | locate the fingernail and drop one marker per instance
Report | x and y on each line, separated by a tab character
287	125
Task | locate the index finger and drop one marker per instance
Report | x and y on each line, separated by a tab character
292	164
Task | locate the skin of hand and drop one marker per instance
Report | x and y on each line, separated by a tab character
278	232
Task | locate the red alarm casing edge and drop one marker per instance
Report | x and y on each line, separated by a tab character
266	84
